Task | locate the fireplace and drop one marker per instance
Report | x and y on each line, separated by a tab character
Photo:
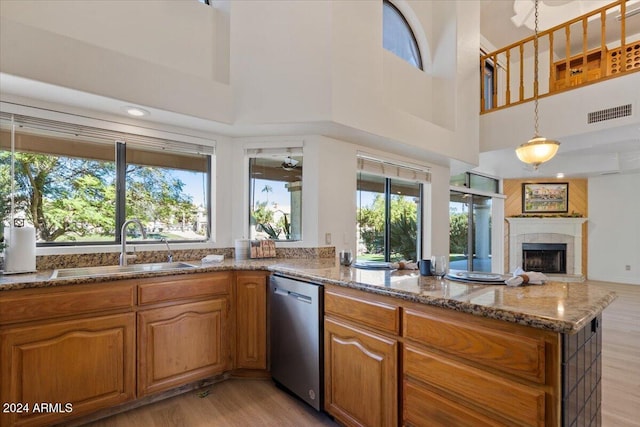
545	257
567	231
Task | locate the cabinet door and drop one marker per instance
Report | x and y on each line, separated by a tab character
360	375
181	343
251	320
74	367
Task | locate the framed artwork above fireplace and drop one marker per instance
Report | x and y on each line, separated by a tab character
545	197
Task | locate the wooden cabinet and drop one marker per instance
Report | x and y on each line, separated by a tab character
86	345
251	320
623	59
489	372
183	330
582	69
360	375
72	347
361	359
180	344
78	366
391	361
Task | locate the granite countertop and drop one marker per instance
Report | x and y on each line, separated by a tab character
557	306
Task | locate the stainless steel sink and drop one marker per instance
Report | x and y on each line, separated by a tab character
108	270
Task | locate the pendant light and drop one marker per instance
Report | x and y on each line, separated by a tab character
538	149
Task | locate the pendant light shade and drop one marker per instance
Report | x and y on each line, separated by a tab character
539	149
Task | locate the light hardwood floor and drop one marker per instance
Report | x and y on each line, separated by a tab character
253	403
231	403
621	357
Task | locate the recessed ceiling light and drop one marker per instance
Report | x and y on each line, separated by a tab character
136	111
559	175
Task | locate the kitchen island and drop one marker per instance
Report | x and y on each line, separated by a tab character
415	349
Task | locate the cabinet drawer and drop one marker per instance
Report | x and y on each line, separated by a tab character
518	355
60	301
186	286
379	315
522	404
423	408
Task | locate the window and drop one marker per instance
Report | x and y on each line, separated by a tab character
78	184
471	212
476	182
488	85
469	232
275	194
397	36
389	211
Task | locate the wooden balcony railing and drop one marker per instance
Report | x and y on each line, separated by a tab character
592	47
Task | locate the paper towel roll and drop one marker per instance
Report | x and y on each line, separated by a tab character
243	249
20	253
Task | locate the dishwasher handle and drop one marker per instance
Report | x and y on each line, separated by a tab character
299	297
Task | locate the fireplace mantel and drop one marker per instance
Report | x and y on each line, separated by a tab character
523	229
569	226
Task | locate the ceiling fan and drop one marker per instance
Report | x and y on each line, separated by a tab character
289	164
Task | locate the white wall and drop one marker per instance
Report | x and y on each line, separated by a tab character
614	228
263	63
564	114
258	65
170	55
328	197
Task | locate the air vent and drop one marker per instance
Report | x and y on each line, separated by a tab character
609	113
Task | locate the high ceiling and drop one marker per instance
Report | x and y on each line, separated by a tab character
504	22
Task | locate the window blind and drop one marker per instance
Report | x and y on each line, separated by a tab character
93	134
393	169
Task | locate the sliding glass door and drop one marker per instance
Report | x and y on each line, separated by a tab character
470	232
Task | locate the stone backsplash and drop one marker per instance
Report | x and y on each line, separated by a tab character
51	262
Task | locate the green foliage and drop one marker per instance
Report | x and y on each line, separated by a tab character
261	214
403	236
458	232
403	229
71	198
273	233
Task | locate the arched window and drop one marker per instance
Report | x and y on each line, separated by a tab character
398	37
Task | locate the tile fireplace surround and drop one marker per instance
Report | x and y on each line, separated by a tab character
548	230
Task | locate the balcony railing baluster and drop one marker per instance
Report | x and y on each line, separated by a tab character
608	59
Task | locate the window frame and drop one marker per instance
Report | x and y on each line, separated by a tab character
120	163
387	196
264	151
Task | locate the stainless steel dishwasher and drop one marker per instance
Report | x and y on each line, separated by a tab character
296	337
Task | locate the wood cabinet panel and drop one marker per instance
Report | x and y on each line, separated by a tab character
181	343
513	354
423	408
360	375
379	315
183	287
60	301
524	405
251	320
89	363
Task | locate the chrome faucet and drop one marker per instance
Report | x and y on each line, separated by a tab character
123	240
169	254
